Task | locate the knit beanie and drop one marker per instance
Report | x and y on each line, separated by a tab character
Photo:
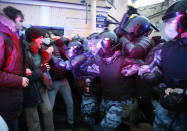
33	33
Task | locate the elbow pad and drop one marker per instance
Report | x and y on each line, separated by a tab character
141	48
126	45
60	63
145	43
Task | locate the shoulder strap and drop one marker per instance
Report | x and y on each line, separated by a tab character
8	44
9	41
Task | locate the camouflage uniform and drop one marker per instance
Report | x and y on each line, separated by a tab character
112	111
166	120
89	108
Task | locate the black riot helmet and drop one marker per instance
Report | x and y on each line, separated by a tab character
73	49
175	20
109	39
137	26
93	36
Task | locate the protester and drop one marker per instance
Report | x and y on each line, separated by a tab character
36	94
59	77
12	67
169	63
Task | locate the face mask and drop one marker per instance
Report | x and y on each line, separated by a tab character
21	32
47	41
18	26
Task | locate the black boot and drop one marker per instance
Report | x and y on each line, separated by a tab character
73	127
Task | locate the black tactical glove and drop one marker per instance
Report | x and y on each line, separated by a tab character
174	102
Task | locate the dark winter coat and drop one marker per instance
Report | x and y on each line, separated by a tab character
32	96
12	69
55	72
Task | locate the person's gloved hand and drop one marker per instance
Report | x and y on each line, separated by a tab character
144	69
93	69
173	101
176	90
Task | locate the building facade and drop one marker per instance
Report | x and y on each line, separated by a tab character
75	16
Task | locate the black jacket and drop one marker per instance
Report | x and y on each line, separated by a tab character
55	72
32	96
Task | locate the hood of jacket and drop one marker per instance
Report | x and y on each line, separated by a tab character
6	25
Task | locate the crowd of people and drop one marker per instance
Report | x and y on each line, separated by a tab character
121	76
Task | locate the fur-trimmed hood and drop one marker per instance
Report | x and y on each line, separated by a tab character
5	23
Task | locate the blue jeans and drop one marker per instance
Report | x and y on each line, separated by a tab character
13	125
63	87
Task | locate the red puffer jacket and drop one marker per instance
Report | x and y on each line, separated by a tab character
12	68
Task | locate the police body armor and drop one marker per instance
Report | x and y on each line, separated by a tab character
174	66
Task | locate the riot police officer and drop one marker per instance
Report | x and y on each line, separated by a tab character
170	62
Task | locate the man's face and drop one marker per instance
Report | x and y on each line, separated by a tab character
19	23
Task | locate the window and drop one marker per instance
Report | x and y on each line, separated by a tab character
140	3
111	2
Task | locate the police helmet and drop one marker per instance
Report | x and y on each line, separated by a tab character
137	26
73	49
175	19
109	39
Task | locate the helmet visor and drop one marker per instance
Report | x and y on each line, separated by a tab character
106	44
168	28
72	52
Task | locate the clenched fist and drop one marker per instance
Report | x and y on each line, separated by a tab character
28	72
50	49
47	66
